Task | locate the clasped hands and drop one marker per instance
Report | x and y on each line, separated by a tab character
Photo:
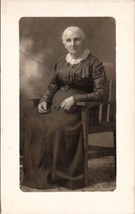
66	104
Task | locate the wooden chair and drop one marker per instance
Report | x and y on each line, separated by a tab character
104	122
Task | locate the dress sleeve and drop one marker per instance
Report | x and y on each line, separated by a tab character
51	89
99	83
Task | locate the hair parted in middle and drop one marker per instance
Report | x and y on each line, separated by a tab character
73	28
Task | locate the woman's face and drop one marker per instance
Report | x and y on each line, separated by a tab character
74	43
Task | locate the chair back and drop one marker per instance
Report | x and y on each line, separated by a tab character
103	116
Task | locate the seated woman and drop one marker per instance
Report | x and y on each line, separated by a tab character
53	147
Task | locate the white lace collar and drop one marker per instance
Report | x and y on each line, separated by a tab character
72	61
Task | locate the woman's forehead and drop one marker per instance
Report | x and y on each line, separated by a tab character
73	33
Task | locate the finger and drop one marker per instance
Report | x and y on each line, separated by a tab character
41	110
66	107
44	111
63	104
44	106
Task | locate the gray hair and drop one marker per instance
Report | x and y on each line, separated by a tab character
73	28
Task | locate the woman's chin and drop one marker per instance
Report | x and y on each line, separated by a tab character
75	54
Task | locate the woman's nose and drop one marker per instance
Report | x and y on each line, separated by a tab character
72	42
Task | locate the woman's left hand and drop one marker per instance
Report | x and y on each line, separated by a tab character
68	103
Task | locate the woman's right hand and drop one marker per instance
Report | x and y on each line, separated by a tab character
42	107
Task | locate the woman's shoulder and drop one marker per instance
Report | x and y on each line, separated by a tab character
93	58
94	61
61	58
61	61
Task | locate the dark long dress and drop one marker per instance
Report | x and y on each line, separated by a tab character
53	143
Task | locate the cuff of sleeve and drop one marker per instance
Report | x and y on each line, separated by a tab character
80	97
43	100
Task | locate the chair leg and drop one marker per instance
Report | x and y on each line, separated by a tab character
115	152
85	138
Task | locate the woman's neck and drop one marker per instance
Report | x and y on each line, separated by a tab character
73	61
78	55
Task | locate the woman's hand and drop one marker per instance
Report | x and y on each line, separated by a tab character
42	107
68	103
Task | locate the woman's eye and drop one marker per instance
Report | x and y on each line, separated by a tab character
77	39
68	40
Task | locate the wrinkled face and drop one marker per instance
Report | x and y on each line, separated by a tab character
74	43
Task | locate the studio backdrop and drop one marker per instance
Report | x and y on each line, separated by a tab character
41	46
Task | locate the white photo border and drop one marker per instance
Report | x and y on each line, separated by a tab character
14	201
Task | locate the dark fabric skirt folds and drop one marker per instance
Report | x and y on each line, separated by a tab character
53	147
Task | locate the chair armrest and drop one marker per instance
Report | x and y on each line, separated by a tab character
90	104
34	100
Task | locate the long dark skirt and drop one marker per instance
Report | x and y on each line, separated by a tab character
53	147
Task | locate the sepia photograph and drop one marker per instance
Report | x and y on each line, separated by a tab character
67	107
67	104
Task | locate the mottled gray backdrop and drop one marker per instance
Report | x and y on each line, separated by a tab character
41	46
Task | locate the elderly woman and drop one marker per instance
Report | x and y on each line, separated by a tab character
53	147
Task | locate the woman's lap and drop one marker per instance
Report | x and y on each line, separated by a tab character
53	148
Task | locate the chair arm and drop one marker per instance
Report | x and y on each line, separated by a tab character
90	104
34	100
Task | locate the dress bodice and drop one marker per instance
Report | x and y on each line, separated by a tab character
88	75
79	75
